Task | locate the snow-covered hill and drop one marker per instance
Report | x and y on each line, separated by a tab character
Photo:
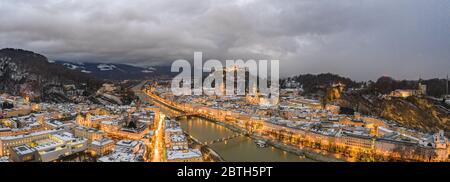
27	73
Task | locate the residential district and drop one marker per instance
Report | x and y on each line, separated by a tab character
143	132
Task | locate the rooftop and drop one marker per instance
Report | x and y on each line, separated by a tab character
180	154
23	149
30	135
102	142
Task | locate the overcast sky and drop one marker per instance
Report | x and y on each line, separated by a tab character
361	39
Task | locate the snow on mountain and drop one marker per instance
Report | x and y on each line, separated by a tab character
106	67
147	71
114	71
71	66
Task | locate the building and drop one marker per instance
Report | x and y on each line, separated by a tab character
73	144
6	132
190	155
101	147
175	139
110	126
53	124
176	142
59	145
358	142
7	142
44	146
177	148
90	133
126	151
91	120
24	153
402	93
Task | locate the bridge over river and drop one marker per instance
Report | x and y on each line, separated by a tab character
233	146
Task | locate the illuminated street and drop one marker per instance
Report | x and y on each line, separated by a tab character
158	151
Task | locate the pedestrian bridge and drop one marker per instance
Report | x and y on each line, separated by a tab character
183	115
225	139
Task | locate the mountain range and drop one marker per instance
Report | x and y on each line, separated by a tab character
114	71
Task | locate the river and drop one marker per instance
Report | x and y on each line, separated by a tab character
239	149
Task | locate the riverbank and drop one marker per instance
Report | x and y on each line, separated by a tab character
305	152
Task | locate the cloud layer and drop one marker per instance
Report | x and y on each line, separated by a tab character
362	39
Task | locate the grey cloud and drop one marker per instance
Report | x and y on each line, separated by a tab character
362	39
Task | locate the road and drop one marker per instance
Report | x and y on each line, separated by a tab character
158	152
